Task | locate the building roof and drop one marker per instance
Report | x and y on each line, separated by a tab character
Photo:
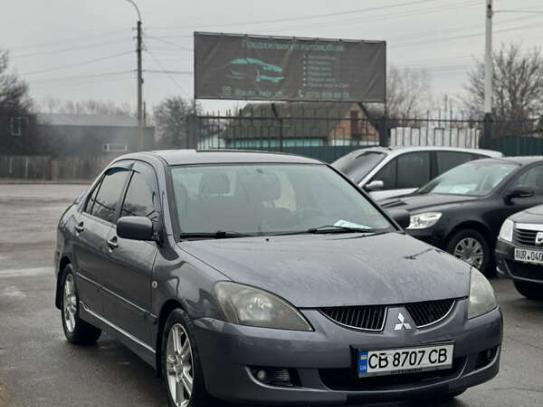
86	120
300	120
187	157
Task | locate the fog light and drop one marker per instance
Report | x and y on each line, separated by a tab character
261	375
273	376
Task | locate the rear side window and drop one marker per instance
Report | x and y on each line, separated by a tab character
142	195
450	159
413	170
109	194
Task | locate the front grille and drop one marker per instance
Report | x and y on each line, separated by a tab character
371	318
524	237
524	270
426	313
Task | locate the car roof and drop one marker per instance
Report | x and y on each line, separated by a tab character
187	157
521	160
393	151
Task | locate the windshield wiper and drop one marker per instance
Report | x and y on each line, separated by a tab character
338	229
219	234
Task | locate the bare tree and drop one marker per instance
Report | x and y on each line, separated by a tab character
173	122
89	106
14	99
518	85
408	92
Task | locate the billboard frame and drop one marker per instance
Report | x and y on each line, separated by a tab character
285	37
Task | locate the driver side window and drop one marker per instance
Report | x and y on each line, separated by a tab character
532	179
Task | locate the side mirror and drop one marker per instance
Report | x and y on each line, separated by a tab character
401	216
375	185
519	192
135	228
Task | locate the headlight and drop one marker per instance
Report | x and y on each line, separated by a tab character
424	220
506	231
250	306
481	295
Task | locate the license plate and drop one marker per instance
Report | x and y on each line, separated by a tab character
406	360
529	256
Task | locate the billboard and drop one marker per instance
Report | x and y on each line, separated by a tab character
250	67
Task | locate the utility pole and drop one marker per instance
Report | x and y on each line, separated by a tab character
139	49
487	133
140	87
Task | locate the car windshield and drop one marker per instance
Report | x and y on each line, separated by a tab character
266	199
476	178
356	167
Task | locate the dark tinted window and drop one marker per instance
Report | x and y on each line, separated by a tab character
533	178
109	194
450	159
413	170
141	196
387	174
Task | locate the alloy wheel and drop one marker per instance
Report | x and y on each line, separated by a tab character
69	303
470	250
179	365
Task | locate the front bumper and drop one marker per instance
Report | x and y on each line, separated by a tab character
507	267
324	360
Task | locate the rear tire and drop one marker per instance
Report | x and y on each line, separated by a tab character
180	361
77	331
472	247
530	290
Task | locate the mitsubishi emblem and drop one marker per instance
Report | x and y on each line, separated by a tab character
402	324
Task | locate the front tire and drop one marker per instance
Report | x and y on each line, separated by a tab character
181	368
472	247
530	290
77	331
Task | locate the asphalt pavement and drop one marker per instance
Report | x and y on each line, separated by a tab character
39	368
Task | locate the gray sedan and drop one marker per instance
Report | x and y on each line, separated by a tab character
268	278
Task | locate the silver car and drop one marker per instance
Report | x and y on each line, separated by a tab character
389	172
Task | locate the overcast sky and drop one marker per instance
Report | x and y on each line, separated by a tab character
80	49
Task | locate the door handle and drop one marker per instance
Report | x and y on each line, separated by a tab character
112	243
80	227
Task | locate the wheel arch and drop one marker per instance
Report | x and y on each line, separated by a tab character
165	311
474	225
64	261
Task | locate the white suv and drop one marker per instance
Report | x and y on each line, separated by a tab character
389	172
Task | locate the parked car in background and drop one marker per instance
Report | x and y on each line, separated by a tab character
519	252
462	210
390	172
268	279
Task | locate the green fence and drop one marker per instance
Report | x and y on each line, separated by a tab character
517	146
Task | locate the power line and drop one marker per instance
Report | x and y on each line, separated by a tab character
63	50
302	18
87	62
68	78
164	70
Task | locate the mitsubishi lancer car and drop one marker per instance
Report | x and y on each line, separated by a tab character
268	279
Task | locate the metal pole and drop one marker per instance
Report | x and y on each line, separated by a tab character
488	58
139	48
140	88
487	124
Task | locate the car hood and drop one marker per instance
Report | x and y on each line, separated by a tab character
417	202
532	215
336	270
